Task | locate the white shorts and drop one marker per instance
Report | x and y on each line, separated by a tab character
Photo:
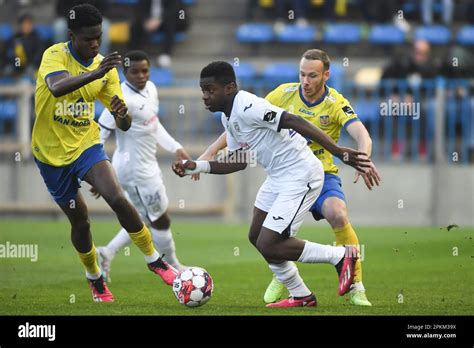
149	197
287	208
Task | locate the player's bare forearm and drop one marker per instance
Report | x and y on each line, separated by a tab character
310	131
226	168
64	83
361	136
215	147
365	145
351	157
219	144
119	110
231	164
124	123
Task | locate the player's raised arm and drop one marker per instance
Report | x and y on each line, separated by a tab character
358	160
63	83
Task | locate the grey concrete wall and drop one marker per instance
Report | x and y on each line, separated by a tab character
405	197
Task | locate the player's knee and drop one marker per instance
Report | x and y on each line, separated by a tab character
163	223
119	203
338	218
81	225
261	247
265	248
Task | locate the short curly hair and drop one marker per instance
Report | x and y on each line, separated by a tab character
221	71
84	15
134	56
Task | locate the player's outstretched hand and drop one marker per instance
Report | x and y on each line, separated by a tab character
94	192
181	154
179	168
109	62
371	177
118	106
356	159
208	155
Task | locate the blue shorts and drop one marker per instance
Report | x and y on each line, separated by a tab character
331	188
64	182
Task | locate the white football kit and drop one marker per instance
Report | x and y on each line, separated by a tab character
135	157
295	175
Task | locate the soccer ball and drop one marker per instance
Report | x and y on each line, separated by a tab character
193	287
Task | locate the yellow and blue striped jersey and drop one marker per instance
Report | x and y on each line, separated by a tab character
64	126
330	114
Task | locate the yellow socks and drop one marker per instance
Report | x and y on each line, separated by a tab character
143	241
89	260
346	235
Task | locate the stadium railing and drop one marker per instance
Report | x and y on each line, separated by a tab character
401	117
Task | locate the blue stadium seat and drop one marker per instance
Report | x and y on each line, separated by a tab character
125	2
8	111
98	109
386	35
466	35
45	32
159	37
336	76
246	73
6	32
434	34
342	34
297	34
161	76
410	6
367	109
189	2
254	33
6	80
278	73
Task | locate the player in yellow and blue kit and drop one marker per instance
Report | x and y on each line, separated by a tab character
323	106
66	142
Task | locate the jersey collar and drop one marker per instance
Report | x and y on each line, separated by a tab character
76	56
129	85
319	101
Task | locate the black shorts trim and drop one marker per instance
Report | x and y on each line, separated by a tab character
286	232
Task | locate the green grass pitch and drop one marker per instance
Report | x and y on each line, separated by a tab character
407	271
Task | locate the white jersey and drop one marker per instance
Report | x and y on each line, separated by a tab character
135	156
254	125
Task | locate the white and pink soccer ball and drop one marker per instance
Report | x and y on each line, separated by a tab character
193	287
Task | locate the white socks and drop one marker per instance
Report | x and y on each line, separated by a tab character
93	276
357	287
318	253
165	244
120	241
288	275
163	240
